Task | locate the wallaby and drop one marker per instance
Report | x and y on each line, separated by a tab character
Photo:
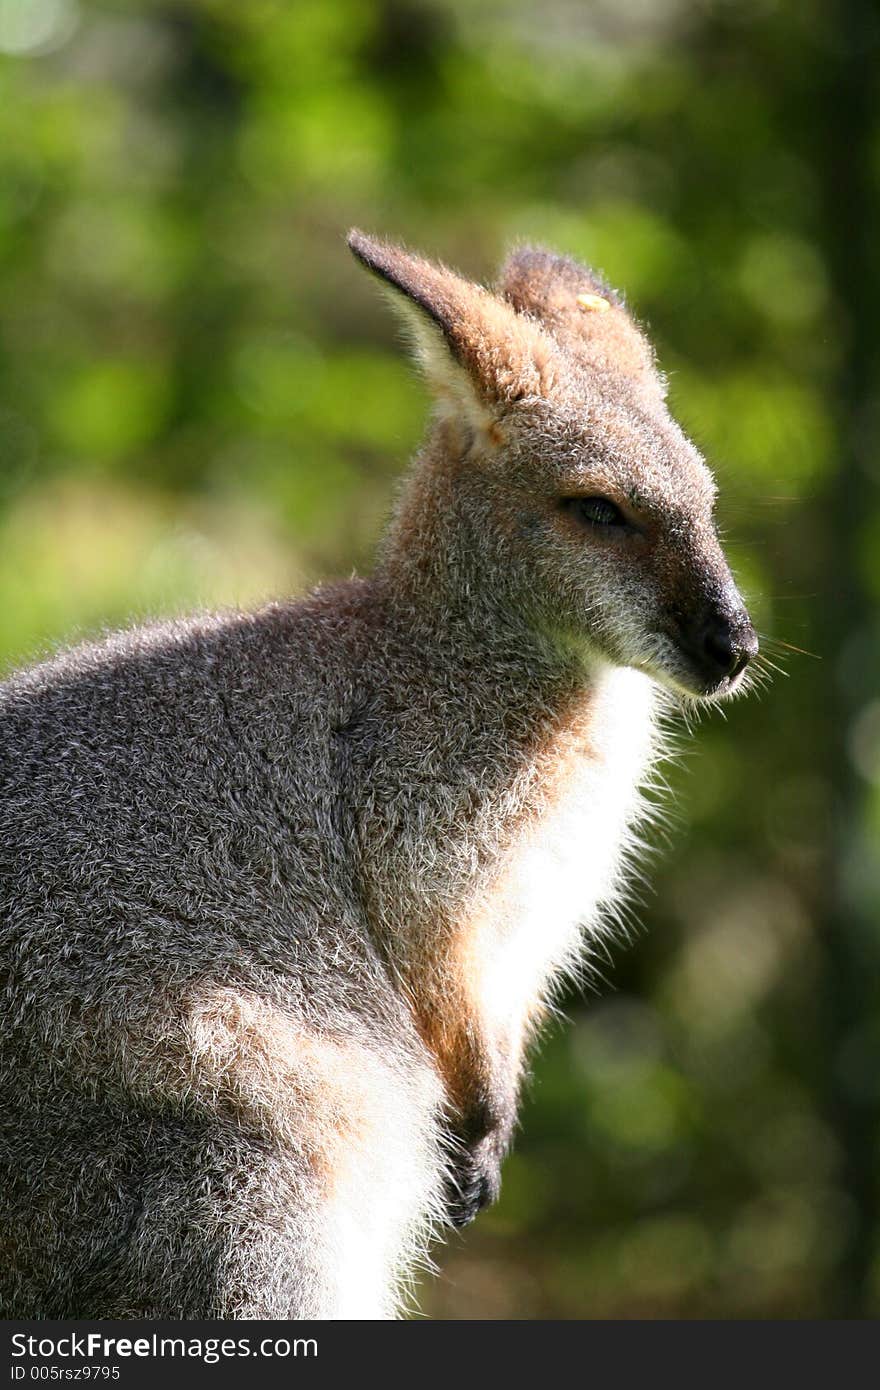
284	893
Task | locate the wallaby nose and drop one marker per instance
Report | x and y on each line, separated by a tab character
726	646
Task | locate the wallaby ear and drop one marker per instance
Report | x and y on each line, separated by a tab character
586	318
476	350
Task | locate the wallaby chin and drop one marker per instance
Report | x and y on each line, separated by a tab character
289	892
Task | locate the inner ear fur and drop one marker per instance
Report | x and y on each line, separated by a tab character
476	350
584	315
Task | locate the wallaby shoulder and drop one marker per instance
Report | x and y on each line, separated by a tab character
172	805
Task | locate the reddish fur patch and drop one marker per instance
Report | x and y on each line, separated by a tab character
449	1005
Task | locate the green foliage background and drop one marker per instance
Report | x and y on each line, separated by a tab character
202	400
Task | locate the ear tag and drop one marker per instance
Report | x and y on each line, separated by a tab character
593	303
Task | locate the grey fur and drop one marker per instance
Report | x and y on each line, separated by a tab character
237	853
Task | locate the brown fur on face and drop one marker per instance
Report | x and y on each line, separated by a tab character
556	397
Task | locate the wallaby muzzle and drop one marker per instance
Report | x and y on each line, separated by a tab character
719	642
705	614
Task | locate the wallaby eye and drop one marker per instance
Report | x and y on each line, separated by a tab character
595	511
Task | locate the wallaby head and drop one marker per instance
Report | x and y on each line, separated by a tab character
556	485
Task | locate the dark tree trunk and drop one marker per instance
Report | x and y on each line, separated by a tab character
845	132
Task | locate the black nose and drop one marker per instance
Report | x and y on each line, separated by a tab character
725	645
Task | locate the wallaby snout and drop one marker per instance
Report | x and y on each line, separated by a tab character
705	635
721	644
709	624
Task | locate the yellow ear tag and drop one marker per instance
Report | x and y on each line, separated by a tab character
593	303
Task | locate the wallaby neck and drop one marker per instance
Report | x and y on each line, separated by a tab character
489	716
491	821
484	723
448	594
443	558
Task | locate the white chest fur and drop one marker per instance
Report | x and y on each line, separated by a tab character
565	864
